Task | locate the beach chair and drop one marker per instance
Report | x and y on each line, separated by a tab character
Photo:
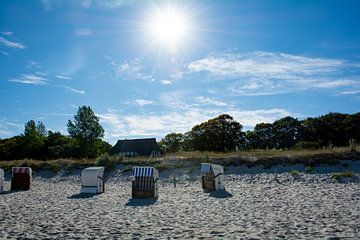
21	178
145	182
2	180
212	178
92	180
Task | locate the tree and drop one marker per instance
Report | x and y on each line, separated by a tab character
171	142
222	133
287	132
264	133
33	139
88	132
86	127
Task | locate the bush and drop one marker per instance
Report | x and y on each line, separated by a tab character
294	173
308	169
338	176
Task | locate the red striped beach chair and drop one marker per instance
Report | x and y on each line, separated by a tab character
21	178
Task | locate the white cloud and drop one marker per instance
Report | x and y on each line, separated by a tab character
266	73
211	101
166	82
7	33
119	126
350	92
83	32
142	102
133	70
73	90
63	77
11	44
30	79
47	5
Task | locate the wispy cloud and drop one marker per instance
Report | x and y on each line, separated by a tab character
83	32
142	102
133	70
73	90
211	101
7	33
350	92
63	77
11	44
166	82
10	128
32	79
266	73
118	125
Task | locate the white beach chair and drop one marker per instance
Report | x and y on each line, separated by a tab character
212	178
92	180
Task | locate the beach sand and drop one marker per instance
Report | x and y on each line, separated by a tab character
255	206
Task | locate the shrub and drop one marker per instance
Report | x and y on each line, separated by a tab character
308	169
338	176
294	172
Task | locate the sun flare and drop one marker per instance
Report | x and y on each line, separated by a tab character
169	28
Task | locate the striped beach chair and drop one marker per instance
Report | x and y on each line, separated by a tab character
212	178
145	182
21	178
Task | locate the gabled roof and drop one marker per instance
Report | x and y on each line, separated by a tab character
143	146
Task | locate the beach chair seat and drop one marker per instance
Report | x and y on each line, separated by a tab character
212	178
92	180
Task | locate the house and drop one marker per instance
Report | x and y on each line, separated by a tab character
136	147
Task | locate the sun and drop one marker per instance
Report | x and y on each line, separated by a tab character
168	27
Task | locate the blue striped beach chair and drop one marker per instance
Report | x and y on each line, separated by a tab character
145	182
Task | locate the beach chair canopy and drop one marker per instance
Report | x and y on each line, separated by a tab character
144	172
209	167
90	175
24	170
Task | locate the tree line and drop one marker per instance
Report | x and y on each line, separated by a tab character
223	133
83	141
220	134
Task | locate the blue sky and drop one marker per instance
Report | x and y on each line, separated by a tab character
256	60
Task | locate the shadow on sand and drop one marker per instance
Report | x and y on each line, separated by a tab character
11	192
141	202
220	194
82	196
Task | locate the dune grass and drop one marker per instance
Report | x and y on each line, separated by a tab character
266	158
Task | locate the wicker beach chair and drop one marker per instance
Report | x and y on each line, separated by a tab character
145	182
21	178
212	178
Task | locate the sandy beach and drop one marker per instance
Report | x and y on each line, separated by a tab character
255	206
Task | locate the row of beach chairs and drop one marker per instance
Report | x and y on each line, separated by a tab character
144	180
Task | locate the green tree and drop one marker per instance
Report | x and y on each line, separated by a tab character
87	130
287	132
171	142
221	134
33	139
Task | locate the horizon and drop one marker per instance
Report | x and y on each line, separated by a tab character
256	61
